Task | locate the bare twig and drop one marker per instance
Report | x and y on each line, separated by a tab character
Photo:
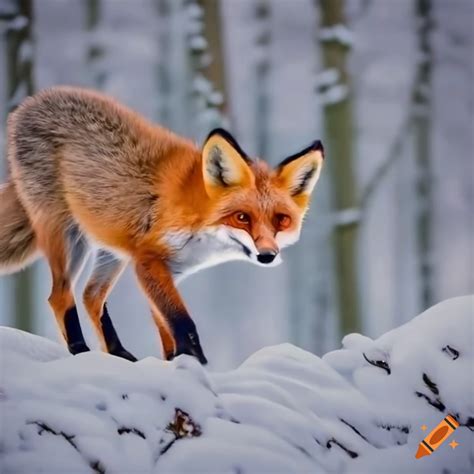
354	429
127	430
348	451
94	464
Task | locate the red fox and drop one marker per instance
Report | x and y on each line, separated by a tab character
86	172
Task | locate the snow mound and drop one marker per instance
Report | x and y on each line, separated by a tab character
358	409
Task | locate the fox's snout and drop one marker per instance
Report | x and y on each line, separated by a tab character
267	248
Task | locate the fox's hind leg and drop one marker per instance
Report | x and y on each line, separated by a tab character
66	250
107	270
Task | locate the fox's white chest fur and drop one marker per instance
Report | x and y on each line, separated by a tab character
193	252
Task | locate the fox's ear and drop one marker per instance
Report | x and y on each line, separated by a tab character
224	164
299	173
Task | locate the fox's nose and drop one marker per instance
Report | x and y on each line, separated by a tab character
266	256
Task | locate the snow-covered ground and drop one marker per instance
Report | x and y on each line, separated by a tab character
358	409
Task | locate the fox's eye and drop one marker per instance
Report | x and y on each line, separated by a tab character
242	217
282	221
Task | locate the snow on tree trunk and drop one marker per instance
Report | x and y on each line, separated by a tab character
208	102
214	64
358	409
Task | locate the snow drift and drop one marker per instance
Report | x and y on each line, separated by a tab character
358	409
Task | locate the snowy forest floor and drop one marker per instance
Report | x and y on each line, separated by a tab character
357	409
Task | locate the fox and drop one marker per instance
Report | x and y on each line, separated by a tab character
87	175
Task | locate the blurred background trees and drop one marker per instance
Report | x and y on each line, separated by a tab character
386	85
16	20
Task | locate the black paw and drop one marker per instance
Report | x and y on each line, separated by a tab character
78	347
187	341
124	354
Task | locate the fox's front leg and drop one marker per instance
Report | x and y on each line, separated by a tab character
157	282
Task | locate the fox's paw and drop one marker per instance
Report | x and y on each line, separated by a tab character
78	347
191	347
124	354
187	341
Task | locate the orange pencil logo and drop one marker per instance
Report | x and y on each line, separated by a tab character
437	437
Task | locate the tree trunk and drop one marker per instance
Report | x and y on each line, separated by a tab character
422	136
214	67
208	102
339	139
262	99
19	43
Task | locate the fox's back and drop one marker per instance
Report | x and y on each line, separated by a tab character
91	129
74	150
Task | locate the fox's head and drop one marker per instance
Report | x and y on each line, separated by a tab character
258	210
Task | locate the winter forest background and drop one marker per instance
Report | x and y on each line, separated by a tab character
387	85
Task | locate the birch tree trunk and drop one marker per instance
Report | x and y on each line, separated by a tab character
422	137
19	43
339	139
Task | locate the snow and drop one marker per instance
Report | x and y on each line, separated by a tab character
18	23
197	43
327	77
357	409
338	33
333	95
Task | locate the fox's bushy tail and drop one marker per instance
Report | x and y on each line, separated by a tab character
18	247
